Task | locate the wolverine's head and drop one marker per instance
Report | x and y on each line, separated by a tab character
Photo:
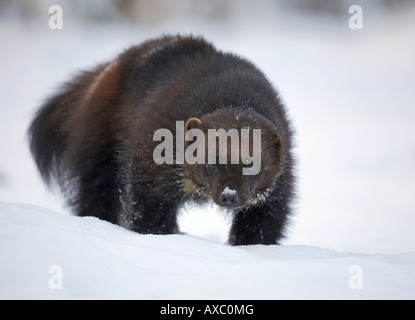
232	155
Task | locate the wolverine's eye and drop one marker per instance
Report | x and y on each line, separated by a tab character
212	168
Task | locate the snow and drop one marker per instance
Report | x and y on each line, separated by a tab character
350	96
99	260
229	192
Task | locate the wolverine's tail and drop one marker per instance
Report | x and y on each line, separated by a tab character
47	137
50	130
71	141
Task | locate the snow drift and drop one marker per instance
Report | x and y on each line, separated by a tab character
47	255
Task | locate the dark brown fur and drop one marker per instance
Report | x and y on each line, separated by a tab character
95	138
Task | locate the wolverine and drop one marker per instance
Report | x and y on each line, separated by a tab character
95	139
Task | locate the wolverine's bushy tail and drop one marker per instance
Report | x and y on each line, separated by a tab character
71	140
51	127
47	137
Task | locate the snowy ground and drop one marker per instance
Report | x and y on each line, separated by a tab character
350	96
53	256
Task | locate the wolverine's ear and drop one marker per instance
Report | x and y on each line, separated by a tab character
279	144
193	123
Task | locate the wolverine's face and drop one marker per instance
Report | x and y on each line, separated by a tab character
233	164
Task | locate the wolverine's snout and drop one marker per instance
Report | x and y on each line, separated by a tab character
229	198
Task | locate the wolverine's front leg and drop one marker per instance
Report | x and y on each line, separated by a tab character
263	223
256	225
147	213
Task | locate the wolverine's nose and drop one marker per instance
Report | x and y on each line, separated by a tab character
229	197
